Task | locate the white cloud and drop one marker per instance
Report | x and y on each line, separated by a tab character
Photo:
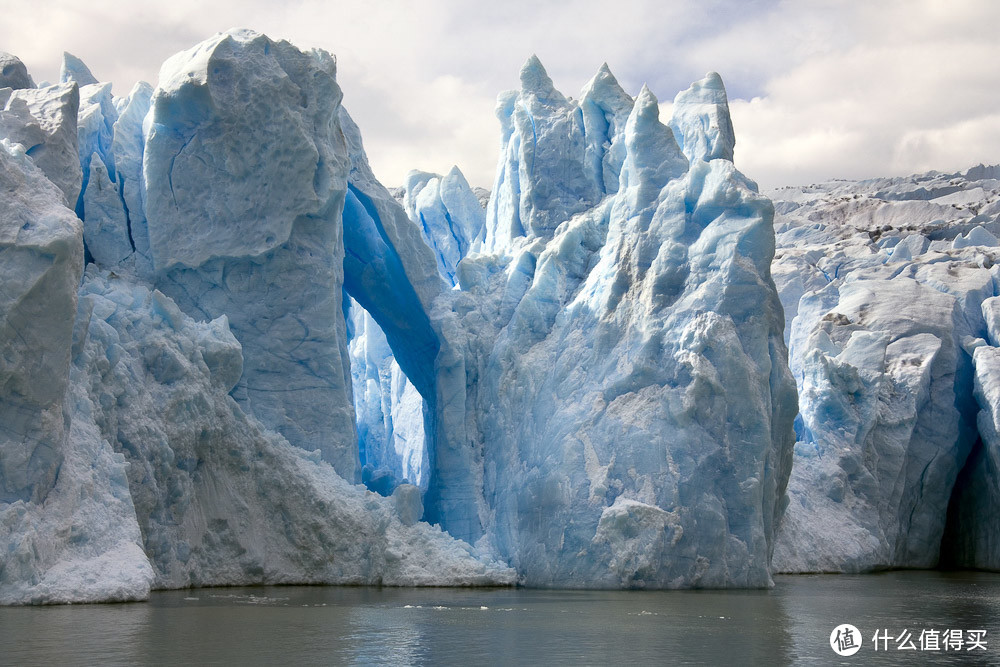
832	88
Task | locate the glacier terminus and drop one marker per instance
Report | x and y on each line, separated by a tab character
229	355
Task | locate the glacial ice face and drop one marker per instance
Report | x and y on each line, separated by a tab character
448	213
44	122
13	73
42	258
246	128
163	479
885	292
624	376
580	402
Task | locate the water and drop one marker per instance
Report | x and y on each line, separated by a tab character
790	624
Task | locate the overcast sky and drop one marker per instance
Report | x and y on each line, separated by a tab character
818	88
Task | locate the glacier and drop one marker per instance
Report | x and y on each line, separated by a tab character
625	385
233	356
288	375
889	286
137	454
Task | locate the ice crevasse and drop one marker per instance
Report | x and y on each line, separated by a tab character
583	385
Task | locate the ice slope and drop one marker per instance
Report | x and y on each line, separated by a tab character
219	499
885	284
168	483
626	395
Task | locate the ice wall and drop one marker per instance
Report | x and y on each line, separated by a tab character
246	128
42	253
626	394
136	468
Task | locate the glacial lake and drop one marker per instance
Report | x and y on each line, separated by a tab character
789	624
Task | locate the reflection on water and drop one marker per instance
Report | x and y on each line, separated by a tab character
789	624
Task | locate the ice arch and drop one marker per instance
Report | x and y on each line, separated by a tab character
375	277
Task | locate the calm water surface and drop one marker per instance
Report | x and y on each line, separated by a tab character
790	624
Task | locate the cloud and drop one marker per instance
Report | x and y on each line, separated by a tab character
915	88
819	88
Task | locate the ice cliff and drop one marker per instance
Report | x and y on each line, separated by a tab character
204	438
218	323
627	404
889	288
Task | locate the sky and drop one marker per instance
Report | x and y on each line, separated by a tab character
818	89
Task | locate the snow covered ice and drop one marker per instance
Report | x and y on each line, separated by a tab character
888	286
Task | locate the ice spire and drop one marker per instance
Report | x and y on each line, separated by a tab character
74	69
701	121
